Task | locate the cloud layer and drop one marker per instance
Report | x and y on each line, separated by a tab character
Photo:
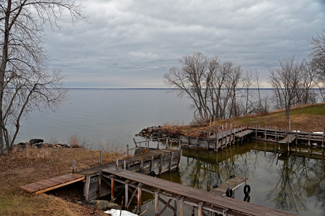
133	43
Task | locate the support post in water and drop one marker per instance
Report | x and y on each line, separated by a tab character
100	157
139	198
276	134
323	138
296	137
309	139
265	132
156	202
116	163
126	194
73	165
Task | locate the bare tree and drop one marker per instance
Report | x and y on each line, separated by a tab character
318	52
286	81
25	83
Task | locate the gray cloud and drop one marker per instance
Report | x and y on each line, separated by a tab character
133	43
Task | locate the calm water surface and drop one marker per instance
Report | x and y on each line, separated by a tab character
98	116
292	182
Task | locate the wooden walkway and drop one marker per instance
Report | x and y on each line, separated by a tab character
243	133
203	200
52	183
288	139
233	184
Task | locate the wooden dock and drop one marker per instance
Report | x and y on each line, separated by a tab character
52	183
205	202
216	140
233	184
288	139
158	161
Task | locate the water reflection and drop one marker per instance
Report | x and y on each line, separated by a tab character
291	181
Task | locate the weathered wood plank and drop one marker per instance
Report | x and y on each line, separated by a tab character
53	183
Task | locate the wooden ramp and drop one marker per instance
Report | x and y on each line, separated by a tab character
243	133
52	183
231	183
203	200
287	139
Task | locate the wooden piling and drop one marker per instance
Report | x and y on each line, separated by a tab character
309	138
256	132
124	161
139	198
112	188
126	194
265	132
323	139
156	202
116	163
276	134
181	204
296	137
73	165
199	209
100	157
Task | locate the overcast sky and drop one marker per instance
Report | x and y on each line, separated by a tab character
133	43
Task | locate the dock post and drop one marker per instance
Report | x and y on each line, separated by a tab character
161	164
199	209
265	132
217	142
296	137
276	134
73	165
127	151
100	157
179	144
289	125
197	138
188	137
124	164
151	164
112	188
222	127
309	139
181	203
179	158
256	132
126	194
116	163
156	202
139	198
167	142
323	139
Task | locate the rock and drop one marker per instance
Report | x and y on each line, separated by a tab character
33	141
79	202
113	206
104	204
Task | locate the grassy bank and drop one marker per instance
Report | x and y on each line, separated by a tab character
305	118
24	166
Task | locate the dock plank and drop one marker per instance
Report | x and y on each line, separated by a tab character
243	133
196	194
53	183
288	139
231	183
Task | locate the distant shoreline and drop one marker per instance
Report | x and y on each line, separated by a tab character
149	89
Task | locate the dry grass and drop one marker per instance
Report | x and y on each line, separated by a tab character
306	118
75	142
25	166
113	147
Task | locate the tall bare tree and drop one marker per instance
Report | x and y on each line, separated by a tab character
25	81
318	52
286	81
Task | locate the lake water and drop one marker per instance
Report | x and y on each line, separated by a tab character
100	116
289	182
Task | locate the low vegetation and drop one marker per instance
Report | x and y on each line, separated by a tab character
27	165
305	118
